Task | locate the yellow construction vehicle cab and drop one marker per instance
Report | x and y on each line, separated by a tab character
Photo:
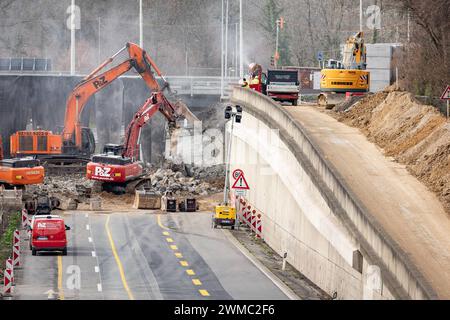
348	75
224	216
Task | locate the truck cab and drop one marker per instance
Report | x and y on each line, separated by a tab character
283	85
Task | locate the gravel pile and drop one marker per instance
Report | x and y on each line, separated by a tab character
180	179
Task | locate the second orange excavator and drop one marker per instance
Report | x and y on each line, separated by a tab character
76	143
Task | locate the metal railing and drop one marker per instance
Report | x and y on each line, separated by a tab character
25	64
183	85
201	85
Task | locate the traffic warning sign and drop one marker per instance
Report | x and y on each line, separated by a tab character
240	182
446	94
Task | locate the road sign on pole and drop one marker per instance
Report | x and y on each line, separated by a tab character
446	94
320	55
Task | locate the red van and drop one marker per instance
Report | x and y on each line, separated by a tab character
48	233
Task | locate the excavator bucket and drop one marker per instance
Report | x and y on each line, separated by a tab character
145	199
330	100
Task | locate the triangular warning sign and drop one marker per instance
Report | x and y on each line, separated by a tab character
446	94
240	183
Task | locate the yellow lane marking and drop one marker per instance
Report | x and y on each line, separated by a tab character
190	272
196	282
184	263
60	278
158	217
204	293
119	263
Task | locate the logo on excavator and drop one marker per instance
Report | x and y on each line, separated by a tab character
102	172
100	82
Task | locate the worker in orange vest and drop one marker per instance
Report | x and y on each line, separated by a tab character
254	80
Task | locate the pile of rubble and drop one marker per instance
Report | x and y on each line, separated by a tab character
183	179
68	185
180	179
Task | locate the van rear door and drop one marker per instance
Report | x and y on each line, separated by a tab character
51	230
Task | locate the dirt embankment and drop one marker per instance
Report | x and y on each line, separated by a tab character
414	134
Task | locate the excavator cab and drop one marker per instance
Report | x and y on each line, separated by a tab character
87	144
112	148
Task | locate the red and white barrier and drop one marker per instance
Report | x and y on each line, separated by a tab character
253	221
258	228
9	266
252	217
16	238
16	256
7	280
242	211
25	220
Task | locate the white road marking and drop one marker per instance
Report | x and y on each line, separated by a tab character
86	215
99	287
90	239
87	227
93	254
96	268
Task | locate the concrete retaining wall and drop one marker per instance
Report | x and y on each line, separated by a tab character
310	213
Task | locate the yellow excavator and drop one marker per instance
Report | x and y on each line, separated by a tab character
348	75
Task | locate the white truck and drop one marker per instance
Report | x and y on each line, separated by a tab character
283	85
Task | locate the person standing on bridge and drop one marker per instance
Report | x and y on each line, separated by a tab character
254	80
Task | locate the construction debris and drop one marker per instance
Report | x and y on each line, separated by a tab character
187	181
182	180
10	199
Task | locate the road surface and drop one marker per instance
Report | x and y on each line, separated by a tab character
405	208
141	255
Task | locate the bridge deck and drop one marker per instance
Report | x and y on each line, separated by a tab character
404	207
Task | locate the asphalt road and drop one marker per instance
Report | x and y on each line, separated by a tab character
141	256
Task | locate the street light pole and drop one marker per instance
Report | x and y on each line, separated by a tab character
226	39
227	172
221	55
98	52
72	38
236	50
233	115
241	43
360	15
277	55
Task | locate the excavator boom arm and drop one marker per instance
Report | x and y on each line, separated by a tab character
157	102
94	82
81	94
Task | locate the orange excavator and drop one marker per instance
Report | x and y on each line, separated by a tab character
76	143
19	172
